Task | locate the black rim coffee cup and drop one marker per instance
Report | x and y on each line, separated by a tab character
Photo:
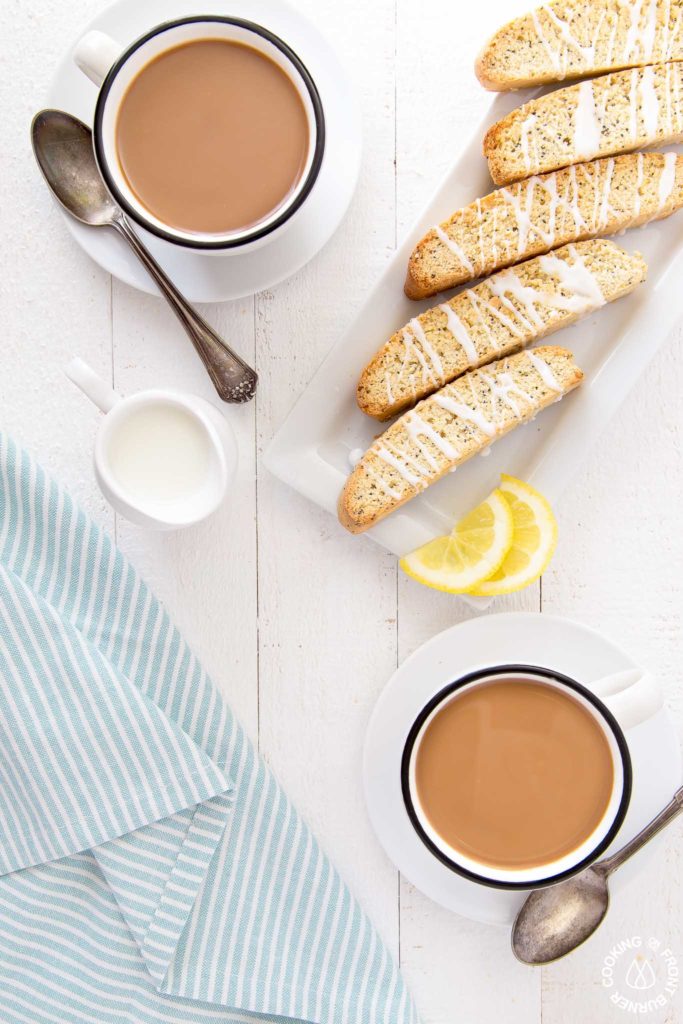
547	873
157	41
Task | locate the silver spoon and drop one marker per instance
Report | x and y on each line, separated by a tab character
63	148
554	921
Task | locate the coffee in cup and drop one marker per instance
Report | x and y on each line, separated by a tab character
516	777
212	136
209	131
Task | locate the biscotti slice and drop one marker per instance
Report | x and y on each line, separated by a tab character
496	318
450	427
572	39
543	213
612	114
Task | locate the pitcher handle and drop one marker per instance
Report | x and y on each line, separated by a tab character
92	385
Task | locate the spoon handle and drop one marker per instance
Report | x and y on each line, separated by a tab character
610	864
234	380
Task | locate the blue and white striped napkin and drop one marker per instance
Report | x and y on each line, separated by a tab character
152	871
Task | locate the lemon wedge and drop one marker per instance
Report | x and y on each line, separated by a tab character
470	554
533	542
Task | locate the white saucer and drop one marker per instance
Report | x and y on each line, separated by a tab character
525	638
217	277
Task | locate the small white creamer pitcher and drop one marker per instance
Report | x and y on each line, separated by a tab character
163	459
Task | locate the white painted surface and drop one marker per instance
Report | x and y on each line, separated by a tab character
300	624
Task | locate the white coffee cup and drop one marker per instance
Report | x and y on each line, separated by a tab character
617	703
179	495
112	68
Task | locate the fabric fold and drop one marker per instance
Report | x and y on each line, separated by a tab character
86	755
166	876
156	894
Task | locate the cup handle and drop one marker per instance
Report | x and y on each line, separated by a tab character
92	386
633	696
95	53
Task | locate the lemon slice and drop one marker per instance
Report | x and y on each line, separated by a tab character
470	554
533	542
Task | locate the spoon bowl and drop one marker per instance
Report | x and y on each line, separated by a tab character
65	155
554	921
561	916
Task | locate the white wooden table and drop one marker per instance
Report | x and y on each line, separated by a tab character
299	624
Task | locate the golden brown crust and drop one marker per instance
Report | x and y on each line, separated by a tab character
611	114
425	443
504	313
569	39
511	224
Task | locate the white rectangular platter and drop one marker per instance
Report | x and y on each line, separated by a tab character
313	449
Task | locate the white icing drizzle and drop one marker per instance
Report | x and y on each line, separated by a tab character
382	484
668	36
429	351
653	109
639	182
576	278
550	188
676	32
668	96
587	53
636	20
414	459
417	428
649	101
522	207
521	197
398	464
460	333
409	465
454	248
573	207
410	350
633	105
676	102
611	42
604	192
586	127
413	353
559	55
480	222
476	305
547	375
599	177
552	52
518	309
647	35
667	179
576	200
508	323
508	282
640	39
505	391
464	412
631	42
419	358
527	128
